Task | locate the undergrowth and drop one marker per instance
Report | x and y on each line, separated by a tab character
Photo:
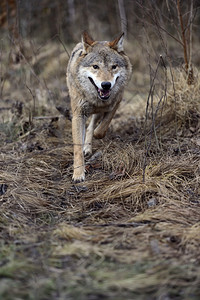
119	234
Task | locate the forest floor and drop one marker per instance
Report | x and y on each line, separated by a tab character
132	229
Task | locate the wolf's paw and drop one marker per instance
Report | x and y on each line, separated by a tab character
79	174
87	150
99	134
78	178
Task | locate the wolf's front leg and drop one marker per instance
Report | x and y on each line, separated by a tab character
78	134
89	134
102	128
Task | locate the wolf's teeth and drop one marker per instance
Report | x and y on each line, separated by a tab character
103	94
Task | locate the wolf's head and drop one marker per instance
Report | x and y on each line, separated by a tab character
104	68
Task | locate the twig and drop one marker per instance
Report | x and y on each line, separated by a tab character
146	116
26	60
46	117
33	96
175	103
2	79
157	24
52	38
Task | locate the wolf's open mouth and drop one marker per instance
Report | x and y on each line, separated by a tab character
103	94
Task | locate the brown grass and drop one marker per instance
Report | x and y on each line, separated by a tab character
114	236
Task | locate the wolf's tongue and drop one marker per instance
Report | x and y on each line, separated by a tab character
103	93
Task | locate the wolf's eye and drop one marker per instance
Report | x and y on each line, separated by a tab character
96	67
114	67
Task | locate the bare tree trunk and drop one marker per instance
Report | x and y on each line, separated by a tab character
71	9
183	35
190	32
122	16
190	79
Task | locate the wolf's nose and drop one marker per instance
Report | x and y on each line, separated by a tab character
106	85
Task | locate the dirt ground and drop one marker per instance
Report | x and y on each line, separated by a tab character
132	229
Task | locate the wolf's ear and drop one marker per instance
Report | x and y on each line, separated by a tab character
87	41
117	44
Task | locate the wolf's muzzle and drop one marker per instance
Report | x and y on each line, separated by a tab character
103	93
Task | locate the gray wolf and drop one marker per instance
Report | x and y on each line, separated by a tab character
97	74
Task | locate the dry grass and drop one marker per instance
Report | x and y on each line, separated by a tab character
115	236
